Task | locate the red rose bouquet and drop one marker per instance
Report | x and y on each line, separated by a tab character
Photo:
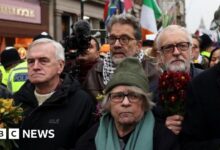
172	91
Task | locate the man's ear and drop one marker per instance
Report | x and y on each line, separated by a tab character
159	57
61	66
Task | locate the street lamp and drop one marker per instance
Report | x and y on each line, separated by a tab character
82	8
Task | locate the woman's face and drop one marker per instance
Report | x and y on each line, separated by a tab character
130	110
215	58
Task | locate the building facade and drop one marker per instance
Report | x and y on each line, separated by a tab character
67	12
21	20
174	9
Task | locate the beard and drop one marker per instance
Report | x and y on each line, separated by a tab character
117	61
180	66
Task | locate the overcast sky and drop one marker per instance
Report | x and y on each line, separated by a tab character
197	9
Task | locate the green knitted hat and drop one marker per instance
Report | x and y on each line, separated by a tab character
129	72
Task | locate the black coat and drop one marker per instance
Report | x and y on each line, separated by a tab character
68	112
201	125
4	92
158	109
163	139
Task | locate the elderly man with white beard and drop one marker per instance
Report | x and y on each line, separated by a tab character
174	52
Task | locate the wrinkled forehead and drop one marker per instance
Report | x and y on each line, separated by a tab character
41	50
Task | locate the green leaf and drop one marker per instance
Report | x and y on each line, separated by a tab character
5	145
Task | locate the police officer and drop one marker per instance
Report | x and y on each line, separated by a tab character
17	76
11	62
9	59
2	75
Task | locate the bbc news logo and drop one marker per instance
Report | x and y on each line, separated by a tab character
14	133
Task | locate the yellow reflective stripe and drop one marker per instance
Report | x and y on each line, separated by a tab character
12	84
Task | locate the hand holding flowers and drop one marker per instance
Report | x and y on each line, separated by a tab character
172	91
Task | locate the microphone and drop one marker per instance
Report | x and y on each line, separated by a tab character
82	29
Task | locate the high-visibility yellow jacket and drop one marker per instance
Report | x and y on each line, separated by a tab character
4	75
17	77
205	53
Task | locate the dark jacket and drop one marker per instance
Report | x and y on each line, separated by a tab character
4	92
68	112
163	139
158	110
94	82
194	72
201	125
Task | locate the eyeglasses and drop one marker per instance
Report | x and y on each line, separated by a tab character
120	96
124	39
181	46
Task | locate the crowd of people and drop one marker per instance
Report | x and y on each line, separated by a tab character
130	115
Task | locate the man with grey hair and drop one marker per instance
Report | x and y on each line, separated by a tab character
124	37
52	104
174	47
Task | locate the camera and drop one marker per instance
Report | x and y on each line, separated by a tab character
79	41
75	44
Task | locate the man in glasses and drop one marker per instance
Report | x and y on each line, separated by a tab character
174	47
124	37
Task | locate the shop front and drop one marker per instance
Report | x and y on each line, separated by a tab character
20	21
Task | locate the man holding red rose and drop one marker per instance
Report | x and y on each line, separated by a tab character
174	50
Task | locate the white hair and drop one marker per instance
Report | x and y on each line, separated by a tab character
172	28
183	66
148	103
58	47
